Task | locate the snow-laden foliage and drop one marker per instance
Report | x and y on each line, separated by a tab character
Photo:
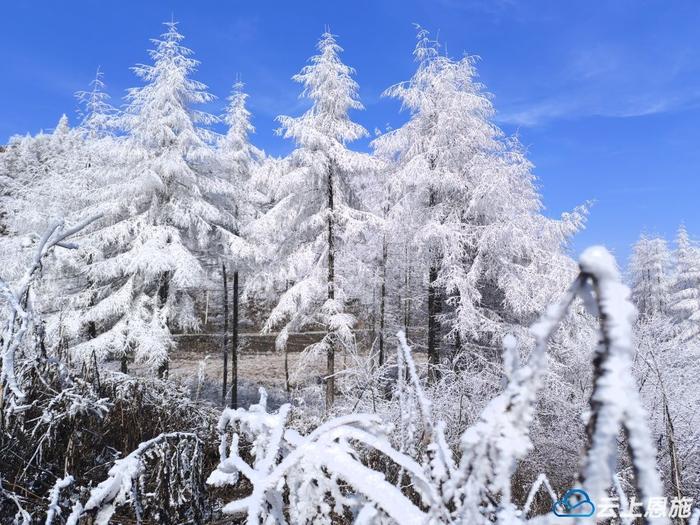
238	160
178	462
685	297
20	319
312	467
96	113
56	422
665	291
466	197
316	220
158	202
650	276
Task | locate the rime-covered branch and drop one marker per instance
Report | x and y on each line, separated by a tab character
20	316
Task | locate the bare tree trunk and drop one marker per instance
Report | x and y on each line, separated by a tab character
225	342
163	291
234	350
433	325
458	343
330	364
407	294
676	479
91	326
433	309
382	303
287	387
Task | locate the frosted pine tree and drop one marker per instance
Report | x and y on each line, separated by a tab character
40	179
159	215
468	191
316	218
685	297
650	276
238	160
95	112
668	354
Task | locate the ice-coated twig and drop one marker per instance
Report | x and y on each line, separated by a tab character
281	456
22	517
423	402
54	509
541	481
615	403
492	447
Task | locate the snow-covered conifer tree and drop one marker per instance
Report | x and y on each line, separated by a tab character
316	218
470	196
96	113
159	214
685	296
238	160
650	275
40	174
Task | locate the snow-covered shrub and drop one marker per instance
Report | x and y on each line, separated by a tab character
161	480
319	473
61	431
324	476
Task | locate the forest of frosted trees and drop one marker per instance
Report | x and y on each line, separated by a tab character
460	365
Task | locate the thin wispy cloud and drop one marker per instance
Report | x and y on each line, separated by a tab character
606	80
545	111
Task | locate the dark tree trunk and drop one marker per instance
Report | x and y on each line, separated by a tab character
163	291
287	386
330	364
433	312
225	339
433	325
407	295
91	326
676	468
382	303
234	349
676	480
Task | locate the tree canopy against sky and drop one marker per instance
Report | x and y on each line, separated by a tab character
582	86
158	200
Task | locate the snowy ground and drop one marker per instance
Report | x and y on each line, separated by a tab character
202	373
255	369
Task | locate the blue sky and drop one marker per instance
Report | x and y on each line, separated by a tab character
605	95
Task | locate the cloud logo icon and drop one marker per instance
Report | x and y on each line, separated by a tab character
576	503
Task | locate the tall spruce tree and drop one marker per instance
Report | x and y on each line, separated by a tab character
492	259
685	296
238	160
157	197
316	217
650	267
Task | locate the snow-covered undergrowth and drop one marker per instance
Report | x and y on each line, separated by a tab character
322	476
351	468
